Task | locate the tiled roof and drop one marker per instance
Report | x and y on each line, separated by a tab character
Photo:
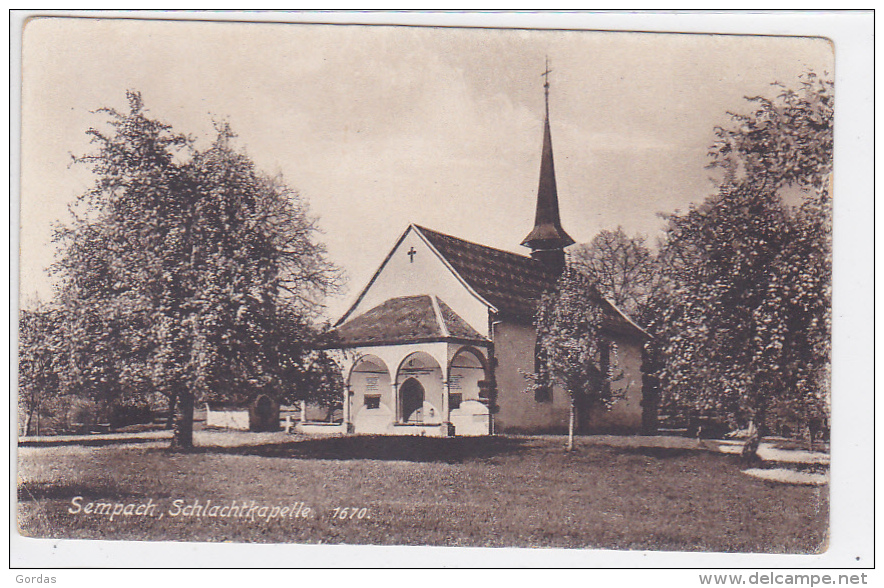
511	282
408	319
457	327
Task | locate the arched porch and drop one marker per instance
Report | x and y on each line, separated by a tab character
432	389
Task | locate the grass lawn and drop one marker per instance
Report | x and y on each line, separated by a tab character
500	491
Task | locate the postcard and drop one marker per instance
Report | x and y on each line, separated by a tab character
370	285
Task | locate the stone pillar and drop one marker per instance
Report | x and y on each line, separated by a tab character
446	408
346	408
303	417
397	416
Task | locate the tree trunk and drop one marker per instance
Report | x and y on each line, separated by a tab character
750	448
182	433
173	400
572	419
811	433
29	419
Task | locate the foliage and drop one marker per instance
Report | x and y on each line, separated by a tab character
191	273
785	141
309	371
718	257
794	353
572	351
744	323
40	363
621	267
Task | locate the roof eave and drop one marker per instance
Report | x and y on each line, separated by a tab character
628	320
417	340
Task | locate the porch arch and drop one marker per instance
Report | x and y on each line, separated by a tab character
468	367
468	372
371	395
419	369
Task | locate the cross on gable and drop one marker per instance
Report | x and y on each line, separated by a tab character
411	253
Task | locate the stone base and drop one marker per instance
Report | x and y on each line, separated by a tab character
321	428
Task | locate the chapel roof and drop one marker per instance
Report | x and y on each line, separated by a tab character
512	283
407	319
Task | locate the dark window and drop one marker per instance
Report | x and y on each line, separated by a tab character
454	400
543	394
372	401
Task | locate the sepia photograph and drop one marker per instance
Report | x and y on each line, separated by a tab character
368	285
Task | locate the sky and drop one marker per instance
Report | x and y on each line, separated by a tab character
378	127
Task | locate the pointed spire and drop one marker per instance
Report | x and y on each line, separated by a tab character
548	239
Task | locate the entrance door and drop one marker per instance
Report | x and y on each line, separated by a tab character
411	401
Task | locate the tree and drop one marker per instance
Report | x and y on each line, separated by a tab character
786	141
309	370
719	257
39	363
572	351
795	351
621	267
746	318
186	269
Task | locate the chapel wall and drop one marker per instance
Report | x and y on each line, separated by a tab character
626	415
519	411
423	273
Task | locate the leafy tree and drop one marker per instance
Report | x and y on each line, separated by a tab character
186	269
794	352
39	363
103	325
621	267
746	315
786	141
719	256
309	371
572	351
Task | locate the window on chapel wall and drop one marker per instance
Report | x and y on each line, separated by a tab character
454	400
372	401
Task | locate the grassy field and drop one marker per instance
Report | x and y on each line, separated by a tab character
502	491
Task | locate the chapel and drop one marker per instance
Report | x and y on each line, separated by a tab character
440	339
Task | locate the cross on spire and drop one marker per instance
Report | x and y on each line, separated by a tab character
545	76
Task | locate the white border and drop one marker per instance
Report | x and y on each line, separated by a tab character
852	476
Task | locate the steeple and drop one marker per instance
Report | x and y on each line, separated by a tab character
548	239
